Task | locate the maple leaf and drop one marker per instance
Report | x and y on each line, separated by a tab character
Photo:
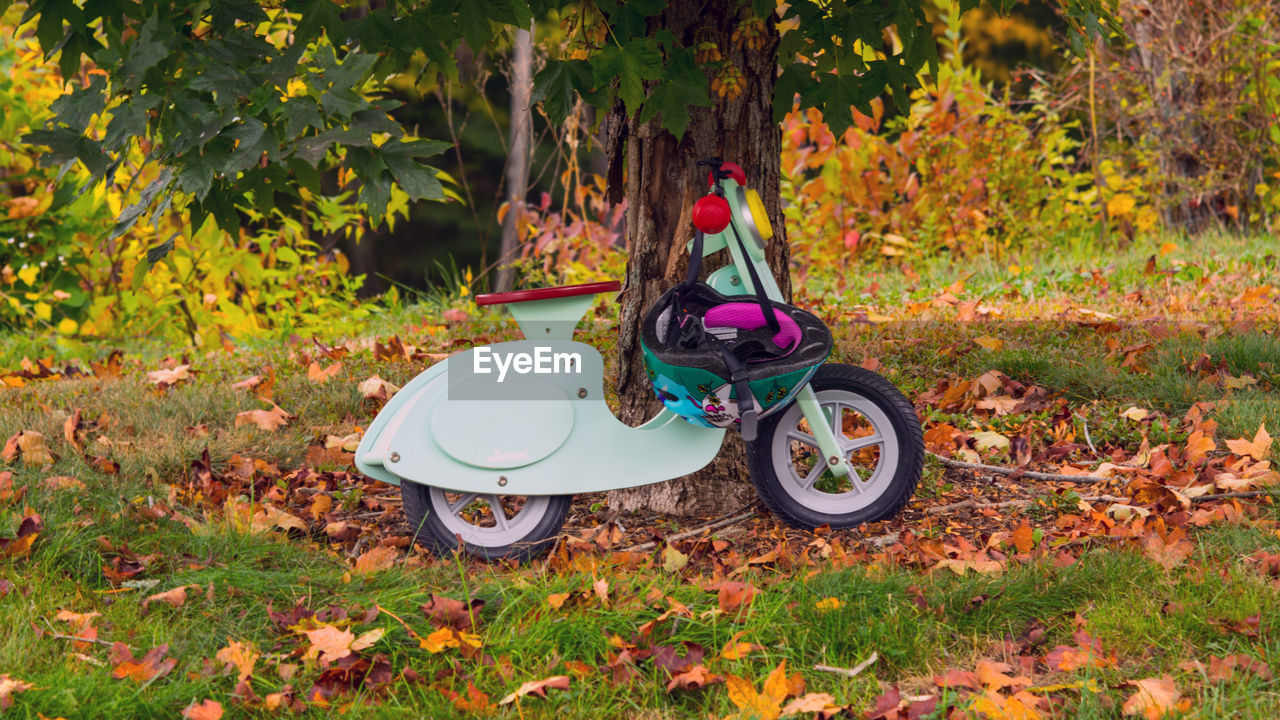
694	678
207	710
557	600
1199	445
474	702
8	687
269	420
447	637
241	656
328	643
270	516
375	559
810	703
1153	699
1258	448
537	688
673	560
1168	548
734	650
152	666
732	594
318	375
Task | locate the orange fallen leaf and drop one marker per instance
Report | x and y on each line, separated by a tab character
1258	448
694	678
316	374
474	702
732	594
556	600
269	420
10	686
28	446
735	650
62	482
537	688
375	559
28	530
152	666
1199	445
176	597
1154	698
207	710
328	643
241	656
810	703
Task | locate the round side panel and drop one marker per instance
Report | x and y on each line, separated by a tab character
502	435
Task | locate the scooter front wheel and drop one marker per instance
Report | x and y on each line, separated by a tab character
494	527
879	436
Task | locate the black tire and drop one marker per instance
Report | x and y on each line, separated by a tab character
872	401
424	506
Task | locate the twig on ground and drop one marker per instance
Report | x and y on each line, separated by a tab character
1052	477
975	505
1087	438
850	672
59	636
714	525
1229	495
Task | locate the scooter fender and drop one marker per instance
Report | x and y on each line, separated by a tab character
548	434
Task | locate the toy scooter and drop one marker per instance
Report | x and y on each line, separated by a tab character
489	446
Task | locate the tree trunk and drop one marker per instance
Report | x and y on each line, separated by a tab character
662	182
518	159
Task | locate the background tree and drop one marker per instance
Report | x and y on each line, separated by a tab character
246	104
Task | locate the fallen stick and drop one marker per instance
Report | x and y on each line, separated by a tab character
713	525
1053	477
974	504
850	672
59	636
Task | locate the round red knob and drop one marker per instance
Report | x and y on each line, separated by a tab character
711	214
734	170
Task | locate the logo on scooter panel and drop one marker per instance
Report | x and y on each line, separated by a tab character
542	361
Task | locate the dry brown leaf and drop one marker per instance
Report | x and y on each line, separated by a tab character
29	446
165	377
176	597
1154	698
269	420
62	482
316	374
10	686
537	688
328	643
811	703
1258	448
152	666
206	710
375	559
376	388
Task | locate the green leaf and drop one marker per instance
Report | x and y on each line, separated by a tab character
418	181
631	64
77	108
683	86
555	85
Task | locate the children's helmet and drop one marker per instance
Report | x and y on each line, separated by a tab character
720	361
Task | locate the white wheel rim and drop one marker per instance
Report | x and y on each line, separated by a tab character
872	481
507	528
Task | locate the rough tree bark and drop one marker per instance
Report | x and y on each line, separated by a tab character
518	158
662	181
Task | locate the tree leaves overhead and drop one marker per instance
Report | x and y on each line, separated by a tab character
245	102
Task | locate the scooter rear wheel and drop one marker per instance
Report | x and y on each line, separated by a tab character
879	436
494	527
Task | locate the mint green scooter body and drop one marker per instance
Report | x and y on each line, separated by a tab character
568	442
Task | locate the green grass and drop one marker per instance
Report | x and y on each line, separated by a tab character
1120	594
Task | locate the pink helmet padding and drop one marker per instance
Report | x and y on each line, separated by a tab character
749	316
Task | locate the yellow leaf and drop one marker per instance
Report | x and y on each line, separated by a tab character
828	604
329	643
241	656
1121	205
989	343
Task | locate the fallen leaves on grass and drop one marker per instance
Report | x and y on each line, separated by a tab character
176	597
319	375
239	655
375	559
537	688
473	702
1154	698
20	545
168	377
9	686
269	420
1258	448
375	388
732	594
205	710
152	666
29	447
767	702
